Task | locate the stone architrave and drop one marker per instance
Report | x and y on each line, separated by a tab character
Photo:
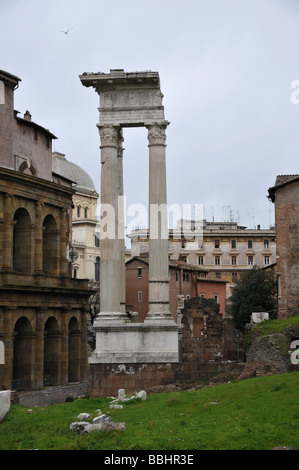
132	100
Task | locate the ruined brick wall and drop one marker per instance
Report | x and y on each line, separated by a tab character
287	239
206	335
270	354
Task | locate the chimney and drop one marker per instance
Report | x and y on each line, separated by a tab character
27	116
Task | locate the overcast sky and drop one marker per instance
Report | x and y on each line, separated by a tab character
226	68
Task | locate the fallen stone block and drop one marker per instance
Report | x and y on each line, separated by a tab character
83	416
78	426
4	404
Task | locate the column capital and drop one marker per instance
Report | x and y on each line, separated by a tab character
156	133
109	135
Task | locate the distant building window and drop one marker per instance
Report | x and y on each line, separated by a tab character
233	244
139	272
47	142
234	277
217	260
250	260
187	296
200	245
85	212
97	269
202	294
200	260
78	211
266	244
217	243
35	135
218	275
216	298
267	260
183	243
75	274
234	260
185	277
250	244
97	239
184	259
139	296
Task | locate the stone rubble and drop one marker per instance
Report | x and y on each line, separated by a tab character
103	422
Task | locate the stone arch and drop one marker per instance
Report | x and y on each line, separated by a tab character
50	245
51	352
28	169
22	354
74	351
22	241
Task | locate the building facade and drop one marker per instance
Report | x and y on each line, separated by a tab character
285	195
43	311
224	249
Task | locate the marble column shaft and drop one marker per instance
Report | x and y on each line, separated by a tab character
112	246
158	223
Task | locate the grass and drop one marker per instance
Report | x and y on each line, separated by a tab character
253	414
273	326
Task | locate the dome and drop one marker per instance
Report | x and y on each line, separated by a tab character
82	181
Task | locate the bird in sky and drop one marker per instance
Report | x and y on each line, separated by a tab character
65	32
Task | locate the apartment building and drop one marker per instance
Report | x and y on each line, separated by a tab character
223	249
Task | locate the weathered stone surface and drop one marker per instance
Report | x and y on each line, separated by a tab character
78	426
102	419
142	395
4	404
83	416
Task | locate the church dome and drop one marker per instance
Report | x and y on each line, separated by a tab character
69	170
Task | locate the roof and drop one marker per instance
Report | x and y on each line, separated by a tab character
69	170
281	181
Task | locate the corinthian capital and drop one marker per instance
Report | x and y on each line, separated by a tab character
109	135
156	133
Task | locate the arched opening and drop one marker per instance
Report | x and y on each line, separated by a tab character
51	352
50	245
22	352
22	241
74	351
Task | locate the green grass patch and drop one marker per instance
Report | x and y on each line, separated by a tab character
259	413
273	326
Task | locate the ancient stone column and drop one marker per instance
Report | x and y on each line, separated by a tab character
112	246
158	223
121	220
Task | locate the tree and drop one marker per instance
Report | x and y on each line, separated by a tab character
254	291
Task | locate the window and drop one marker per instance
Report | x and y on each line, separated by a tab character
185	277
183	243
234	277
250	244
218	275
187	296
47	142
234	260
202	294
184	259
234	244
78	211
200	260
85	212
97	269
139	272
266	244
97	239
250	260
217	243
139	296
267	260
75	274
216	298
217	260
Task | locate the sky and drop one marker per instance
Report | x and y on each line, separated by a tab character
229	72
